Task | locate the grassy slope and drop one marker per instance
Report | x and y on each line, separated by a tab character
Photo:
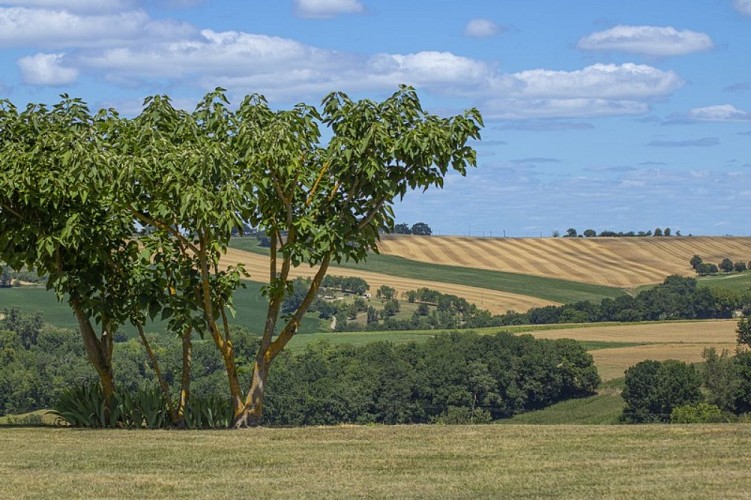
735	281
546	288
250	305
667	461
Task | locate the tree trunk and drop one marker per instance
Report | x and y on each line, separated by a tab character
252	411
98	351
182	404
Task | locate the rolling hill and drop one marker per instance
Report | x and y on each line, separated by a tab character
616	262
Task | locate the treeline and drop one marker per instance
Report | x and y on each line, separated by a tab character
676	298
726	266
590	233
451	378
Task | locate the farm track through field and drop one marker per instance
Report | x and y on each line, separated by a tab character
618	262
497	302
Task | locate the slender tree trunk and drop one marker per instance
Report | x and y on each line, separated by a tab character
155	365
182	404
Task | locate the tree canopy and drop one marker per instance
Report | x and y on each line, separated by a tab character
76	187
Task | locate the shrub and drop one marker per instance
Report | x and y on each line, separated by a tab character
701	413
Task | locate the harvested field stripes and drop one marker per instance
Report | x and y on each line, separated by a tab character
620	262
496	301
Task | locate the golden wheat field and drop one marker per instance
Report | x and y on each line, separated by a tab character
684	341
618	262
496	302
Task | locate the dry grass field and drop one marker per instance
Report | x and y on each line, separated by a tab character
684	341
495	301
419	461
619	262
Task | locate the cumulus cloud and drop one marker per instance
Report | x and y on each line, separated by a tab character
322	9
482	28
46	69
128	48
738	87
44	28
704	142
647	40
743	6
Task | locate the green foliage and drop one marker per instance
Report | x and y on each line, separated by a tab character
462	416
744	331
447	377
421	229
721	378
653	388
208	412
84	406
700	413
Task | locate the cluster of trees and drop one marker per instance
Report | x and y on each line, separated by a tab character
673	391
449	378
726	266
676	298
76	186
590	233
418	228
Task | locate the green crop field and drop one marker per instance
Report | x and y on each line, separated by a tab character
249	303
498	461
734	281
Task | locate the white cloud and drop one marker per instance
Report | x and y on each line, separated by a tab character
46	69
718	113
129	48
430	68
321	9
610	81
74	5
743	6
480	28
648	40
21	27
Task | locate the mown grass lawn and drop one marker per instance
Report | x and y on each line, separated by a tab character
667	461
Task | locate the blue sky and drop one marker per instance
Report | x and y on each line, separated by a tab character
604	114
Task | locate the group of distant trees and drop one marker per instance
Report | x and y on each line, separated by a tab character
590	233
673	391
453	378
676	298
726	266
418	228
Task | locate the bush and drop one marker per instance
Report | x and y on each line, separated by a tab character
653	388
701	413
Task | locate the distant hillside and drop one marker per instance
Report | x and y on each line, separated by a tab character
618	262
